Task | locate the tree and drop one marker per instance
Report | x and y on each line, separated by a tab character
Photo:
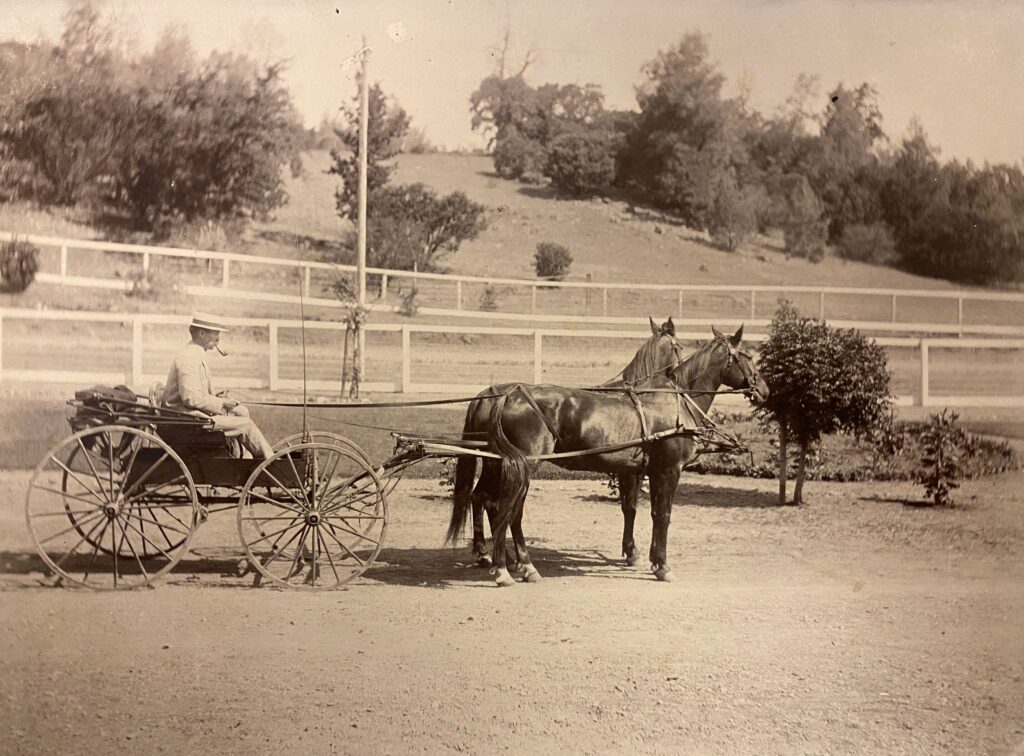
387	125
800	215
821	380
410	226
686	140
733	217
582	162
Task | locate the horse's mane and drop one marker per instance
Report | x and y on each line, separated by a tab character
647	363
694	366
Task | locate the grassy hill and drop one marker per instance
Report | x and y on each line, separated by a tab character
609	239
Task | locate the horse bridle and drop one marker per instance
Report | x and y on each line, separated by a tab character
747	367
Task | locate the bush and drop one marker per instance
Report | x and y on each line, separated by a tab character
19	263
489	299
516	155
581	162
867	243
552	260
733	216
941	467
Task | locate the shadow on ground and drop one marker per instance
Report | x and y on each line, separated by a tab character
701	496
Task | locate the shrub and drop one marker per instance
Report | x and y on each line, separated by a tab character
409	306
867	243
941	466
733	216
153	286
552	260
581	162
516	156
19	263
821	380
489	299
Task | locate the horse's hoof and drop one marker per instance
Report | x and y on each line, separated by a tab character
664	574
502	578
532	576
633	557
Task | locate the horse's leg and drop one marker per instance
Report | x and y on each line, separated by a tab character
484	491
524	565
664	477
629	490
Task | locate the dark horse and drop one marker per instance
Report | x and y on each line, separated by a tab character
551	419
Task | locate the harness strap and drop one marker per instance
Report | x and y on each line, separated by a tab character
533	403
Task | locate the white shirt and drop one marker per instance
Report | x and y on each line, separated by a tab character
188	384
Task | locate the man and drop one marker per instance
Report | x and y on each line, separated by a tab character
189	388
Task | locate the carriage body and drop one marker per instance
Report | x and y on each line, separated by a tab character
136	481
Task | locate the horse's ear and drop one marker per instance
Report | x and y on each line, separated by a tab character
737	337
669	327
718	334
654	328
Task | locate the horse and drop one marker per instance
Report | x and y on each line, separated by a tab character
550	419
659	354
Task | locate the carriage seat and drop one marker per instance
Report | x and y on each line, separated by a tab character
189	440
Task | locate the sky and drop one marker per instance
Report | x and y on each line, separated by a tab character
957	67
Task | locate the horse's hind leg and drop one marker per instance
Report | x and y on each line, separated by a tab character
486	490
524	565
629	490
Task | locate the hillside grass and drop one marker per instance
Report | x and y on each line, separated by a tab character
610	240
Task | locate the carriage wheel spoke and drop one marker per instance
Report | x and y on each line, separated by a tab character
159	524
275	502
346	548
95	551
330	559
285	488
70	496
150	492
276	532
97	513
151	543
298	552
88	459
81	541
326	479
128	467
110	468
113	547
299	481
279	551
124	531
344	528
70	472
351	501
66	512
145	476
313	564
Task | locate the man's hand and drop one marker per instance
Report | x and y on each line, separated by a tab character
229	405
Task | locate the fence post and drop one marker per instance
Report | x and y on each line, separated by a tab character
145	262
136	378
458	295
960	316
821	305
533	299
383	286
753	304
538	369
604	301
680	304
225	280
893	308
1	346
306	281
63	260
275	379
406	361
924	373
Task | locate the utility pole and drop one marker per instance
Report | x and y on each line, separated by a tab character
364	120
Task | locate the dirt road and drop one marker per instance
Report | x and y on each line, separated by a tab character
852	624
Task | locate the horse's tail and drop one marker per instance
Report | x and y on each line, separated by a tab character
465	472
514	477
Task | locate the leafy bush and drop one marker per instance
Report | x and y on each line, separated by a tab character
552	260
516	156
821	380
941	467
733	216
489	299
409	305
152	286
869	244
803	225
19	263
581	162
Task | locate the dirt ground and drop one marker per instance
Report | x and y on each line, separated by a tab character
852	624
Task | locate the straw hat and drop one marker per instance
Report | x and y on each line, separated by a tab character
207	321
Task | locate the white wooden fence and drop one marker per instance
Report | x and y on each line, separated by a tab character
898	299
1006	389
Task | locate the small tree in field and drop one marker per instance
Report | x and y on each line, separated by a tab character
822	380
941	467
552	260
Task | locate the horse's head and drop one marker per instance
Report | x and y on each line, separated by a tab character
660	355
738	368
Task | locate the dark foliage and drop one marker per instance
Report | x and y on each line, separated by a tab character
582	161
19	263
941	468
552	260
869	244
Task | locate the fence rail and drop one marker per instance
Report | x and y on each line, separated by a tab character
976	312
135	349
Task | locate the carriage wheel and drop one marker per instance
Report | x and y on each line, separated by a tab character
131	502
313	516
326	437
